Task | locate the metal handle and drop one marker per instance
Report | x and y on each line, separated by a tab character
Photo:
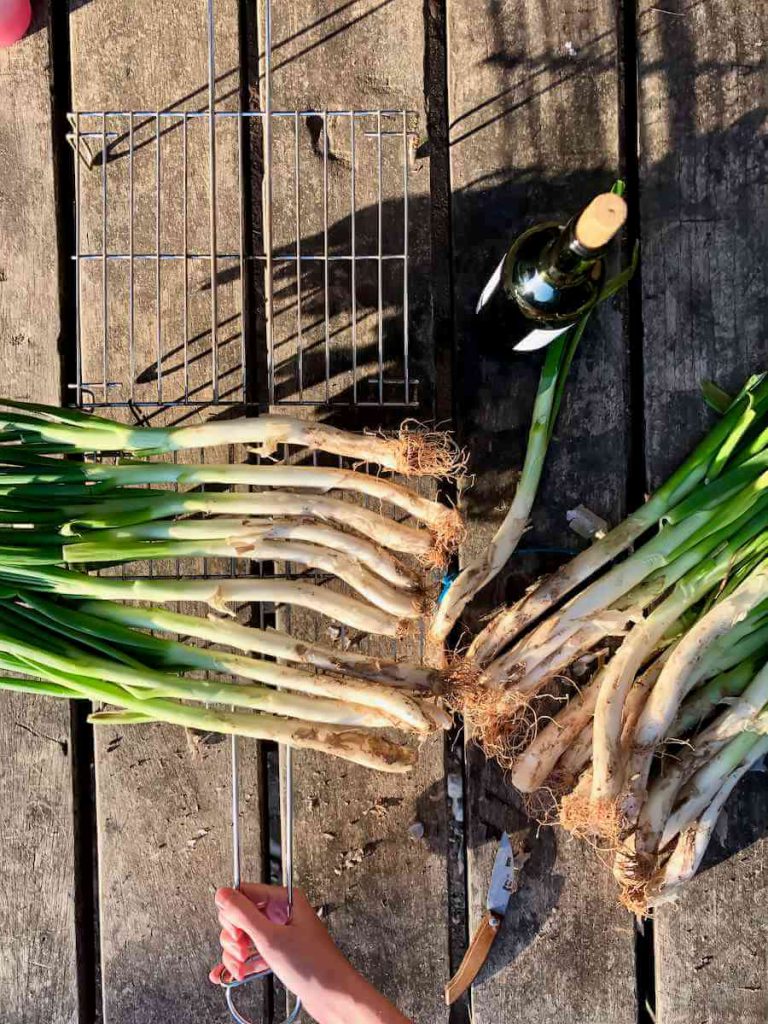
235	1014
233	984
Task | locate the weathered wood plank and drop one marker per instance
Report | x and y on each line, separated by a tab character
533	112
384	892
703	102
38	962
163	795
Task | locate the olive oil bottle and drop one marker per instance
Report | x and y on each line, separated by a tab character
550	276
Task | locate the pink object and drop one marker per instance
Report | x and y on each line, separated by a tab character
15	16
277	911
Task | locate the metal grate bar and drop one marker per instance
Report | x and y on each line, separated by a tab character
336	268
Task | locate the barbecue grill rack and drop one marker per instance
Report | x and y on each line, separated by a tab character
187	296
190	300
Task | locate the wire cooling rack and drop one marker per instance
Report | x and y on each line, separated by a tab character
164	256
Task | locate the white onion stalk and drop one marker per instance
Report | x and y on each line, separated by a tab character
662	551
682	669
366	551
366	748
631	587
537	763
152	505
690	848
549	393
719	688
579	753
657	804
361	746
527	667
403	604
440	518
136	679
218	594
477	574
701	789
578	756
609	759
401	709
720	743
657	807
397	706
271	643
415	452
567	635
674	682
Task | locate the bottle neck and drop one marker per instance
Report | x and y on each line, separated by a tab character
567	258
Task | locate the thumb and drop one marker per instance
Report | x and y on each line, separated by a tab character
243	913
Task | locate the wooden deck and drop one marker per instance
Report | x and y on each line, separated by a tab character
111	851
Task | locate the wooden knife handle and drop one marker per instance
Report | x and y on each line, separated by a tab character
474	958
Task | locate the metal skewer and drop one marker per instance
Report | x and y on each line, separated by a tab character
230	984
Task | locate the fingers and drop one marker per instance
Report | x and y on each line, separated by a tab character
235	934
240	970
237	910
232	968
215	974
259	893
240	948
236	968
273	900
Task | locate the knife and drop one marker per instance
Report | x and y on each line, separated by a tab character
503	884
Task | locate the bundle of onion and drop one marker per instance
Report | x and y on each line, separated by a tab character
675	629
55	511
58	514
97	651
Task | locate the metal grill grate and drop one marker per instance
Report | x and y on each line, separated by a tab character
163	257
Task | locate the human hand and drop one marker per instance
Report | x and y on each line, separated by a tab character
255	920
257	933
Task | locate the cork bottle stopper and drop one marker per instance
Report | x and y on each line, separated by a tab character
604	216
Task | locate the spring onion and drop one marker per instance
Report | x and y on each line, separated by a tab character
509	624
414	452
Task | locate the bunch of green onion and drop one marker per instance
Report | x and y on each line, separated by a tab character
63	634
678	632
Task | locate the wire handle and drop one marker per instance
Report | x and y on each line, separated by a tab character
232	984
235	1014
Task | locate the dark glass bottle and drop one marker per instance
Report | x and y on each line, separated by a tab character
550	276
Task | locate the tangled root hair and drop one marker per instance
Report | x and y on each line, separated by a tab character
424	452
597	821
502	722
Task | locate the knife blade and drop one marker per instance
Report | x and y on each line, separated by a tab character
502	879
503	884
